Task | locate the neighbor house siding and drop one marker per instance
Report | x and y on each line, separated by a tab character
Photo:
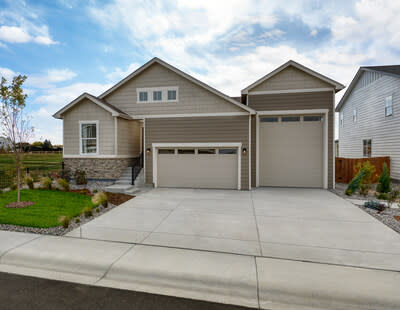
128	137
300	101
384	132
290	78
198	129
192	98
88	111
253	150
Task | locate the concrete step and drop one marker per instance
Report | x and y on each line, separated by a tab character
118	188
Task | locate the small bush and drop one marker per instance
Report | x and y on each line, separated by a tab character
80	177
29	181
64	220
392	197
369	171
382	196
97	210
63	184
13	186
355	183
87	211
78	220
66	175
100	199
376	205
384	181
45	183
364	189
95	191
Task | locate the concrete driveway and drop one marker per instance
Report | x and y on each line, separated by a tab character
300	224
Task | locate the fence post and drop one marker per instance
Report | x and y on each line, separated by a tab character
27	170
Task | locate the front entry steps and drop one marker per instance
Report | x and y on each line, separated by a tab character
123	184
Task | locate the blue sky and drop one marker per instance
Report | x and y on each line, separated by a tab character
67	47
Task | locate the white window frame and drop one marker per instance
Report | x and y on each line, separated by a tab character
164	94
387	106
157	91
96	122
341	119
355	116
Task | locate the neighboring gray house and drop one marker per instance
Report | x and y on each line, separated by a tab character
369	116
278	133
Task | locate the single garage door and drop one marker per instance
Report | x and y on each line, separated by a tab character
197	167
291	151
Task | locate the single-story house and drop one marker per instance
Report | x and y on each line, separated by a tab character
369	125
280	132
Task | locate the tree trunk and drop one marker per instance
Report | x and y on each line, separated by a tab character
18	186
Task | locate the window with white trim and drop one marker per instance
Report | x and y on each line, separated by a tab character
157	94
354	115
388	106
172	95
89	137
367	148
341	122
143	96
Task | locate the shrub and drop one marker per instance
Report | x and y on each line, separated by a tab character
80	177
355	183
63	184
66	175
384	181
392	197
64	220
45	183
13	186
78	220
87	211
364	189
29	181
100	199
95	191
97	210
369	171
376	205
35	175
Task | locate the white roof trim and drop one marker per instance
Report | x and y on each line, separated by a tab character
337	85
59	113
181	73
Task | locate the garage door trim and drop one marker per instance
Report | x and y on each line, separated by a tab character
156	146
325	112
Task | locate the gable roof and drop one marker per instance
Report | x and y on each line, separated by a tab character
338	86
181	73
100	102
386	70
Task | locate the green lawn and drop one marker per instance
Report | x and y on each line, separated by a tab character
48	207
41	162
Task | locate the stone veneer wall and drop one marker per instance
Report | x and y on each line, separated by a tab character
99	168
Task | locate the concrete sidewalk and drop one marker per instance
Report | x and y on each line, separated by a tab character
246	280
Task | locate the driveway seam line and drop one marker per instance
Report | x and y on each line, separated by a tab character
18	246
255	220
113	263
257	282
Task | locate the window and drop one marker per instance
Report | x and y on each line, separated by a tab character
354	115
143	96
367	150
157	95
171	94
186	151
166	151
341	118
388	106
291	119
206	151
313	118
269	119
227	151
89	138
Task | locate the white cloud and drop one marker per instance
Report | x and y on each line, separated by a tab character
119	73
13	34
7	73
313	32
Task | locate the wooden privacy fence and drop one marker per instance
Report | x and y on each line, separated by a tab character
344	167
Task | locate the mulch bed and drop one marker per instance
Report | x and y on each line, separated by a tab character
117	199
18	205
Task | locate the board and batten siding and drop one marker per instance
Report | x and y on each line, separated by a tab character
299	101
201	130
128	137
290	78
369	100
88	111
191	97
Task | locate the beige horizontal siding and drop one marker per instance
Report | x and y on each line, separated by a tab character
192	98
290	78
128	137
199	129
300	101
88	111
253	150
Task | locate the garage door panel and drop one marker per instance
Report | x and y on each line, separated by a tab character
291	154
197	170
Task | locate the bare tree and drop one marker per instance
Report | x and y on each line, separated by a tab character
14	122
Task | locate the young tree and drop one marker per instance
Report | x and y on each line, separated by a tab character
14	122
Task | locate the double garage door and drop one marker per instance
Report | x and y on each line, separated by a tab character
197	167
291	151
